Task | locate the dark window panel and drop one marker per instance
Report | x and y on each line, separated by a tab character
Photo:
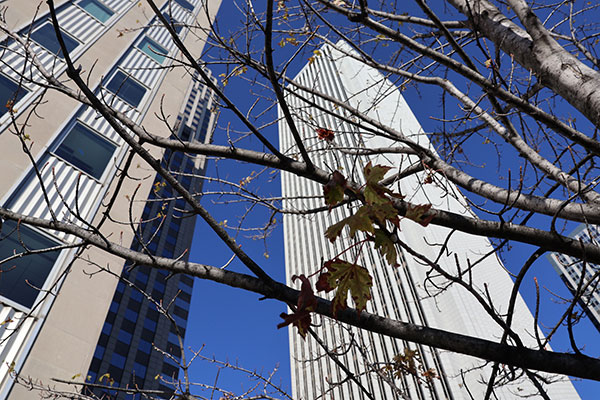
10	94
86	150
19	275
187	280
147	335
128	326
126	88
122	348
45	36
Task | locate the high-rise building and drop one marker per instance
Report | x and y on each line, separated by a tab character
571	271
411	292
53	304
136	335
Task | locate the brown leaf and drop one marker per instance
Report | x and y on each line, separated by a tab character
299	319
347	277
417	214
386	247
325	134
333	191
306	300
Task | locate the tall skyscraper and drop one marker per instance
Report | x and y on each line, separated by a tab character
136	336
571	271
52	304
410	292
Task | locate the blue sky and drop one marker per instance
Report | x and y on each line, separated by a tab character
236	326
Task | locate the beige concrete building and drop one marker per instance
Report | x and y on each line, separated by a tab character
52	307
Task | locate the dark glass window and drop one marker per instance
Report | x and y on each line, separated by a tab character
185	4
185	297
86	150
152	49
147	335
149	324
103	341
136	295
118	360
171	238
134	305
131	315
21	277
174	350
187	280
128	326
124	336
159	286
96	9
152	315
99	353
139	369
173	22
110	317
165	389
152	247
10	94
142	357
126	88
180	312
95	365
122	348
170	370
46	37
145	346
116	373
169	249
142	277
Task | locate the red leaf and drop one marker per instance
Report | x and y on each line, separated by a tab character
325	134
300	319
307	300
323	282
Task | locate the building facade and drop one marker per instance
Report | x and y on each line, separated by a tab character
571	271
409	292
53	304
136	333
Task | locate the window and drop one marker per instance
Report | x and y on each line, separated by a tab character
99	353
173	22
149	324
185	4
139	369
45	36
131	315
21	277
118	360
152	49
145	346
86	150
124	337
126	88
96	9
10	94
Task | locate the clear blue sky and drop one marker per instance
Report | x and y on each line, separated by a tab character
235	326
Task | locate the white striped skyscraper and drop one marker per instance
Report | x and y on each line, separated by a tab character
409	292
